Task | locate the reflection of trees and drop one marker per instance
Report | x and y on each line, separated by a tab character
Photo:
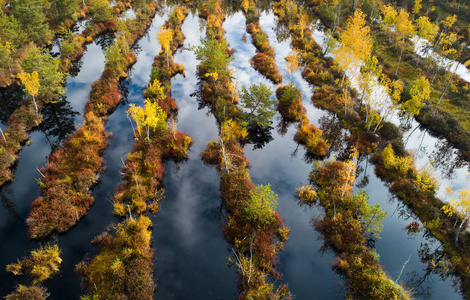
362	181
418	283
283	126
282	31
230	7
10	99
58	122
5	195
124	89
105	40
445	158
332	131
264	5
436	262
259	136
76	67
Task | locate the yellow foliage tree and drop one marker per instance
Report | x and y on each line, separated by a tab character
155	91
426	29
31	84
355	46
165	37
417	7
152	117
404	28
389	15
293	62
245	5
459	205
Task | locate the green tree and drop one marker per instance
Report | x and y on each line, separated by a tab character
5	56
31	14
371	216
419	92
11	31
261	205
51	80
257	100
116	56
213	55
64	9
100	10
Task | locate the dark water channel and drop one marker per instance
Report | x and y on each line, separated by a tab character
191	252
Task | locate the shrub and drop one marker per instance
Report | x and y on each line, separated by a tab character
311	137
124	266
266	65
69	175
290	102
307	194
28	293
40	265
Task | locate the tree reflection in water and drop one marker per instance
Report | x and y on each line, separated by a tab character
10	98
332	131
259	136
6	194
58	123
446	159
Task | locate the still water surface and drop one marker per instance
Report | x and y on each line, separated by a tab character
191	252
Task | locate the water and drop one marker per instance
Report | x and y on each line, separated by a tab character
91	66
16	199
421	47
450	171
191	252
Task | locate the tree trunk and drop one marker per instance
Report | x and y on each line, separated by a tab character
399	61
35	105
1	131
442	96
167	61
224	155
133	129
460	227
148	134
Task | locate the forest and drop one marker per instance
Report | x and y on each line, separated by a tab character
224	149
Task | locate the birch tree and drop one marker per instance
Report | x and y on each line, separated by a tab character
150	117
164	38
404	29
459	206
31	84
355	46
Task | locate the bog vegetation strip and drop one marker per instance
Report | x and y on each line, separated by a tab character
26	117
72	170
123	268
252	226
